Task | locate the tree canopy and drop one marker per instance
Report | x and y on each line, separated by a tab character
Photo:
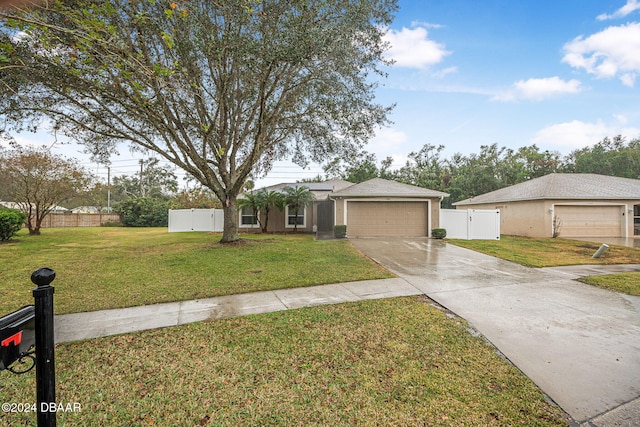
611	156
219	88
154	181
494	167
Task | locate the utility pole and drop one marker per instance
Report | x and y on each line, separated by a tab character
108	189
141	164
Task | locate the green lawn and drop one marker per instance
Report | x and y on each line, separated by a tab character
533	252
104	267
629	283
556	252
385	362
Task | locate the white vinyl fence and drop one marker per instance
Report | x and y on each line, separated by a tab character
471	224
181	220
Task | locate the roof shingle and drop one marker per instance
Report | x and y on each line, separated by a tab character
582	186
378	187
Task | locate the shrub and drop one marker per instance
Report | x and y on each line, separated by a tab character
340	231
439	233
11	221
144	212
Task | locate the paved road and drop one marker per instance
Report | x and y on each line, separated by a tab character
579	343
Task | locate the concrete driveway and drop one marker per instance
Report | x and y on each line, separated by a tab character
579	343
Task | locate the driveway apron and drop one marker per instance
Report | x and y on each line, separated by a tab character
580	344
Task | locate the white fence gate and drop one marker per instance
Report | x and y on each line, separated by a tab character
471	224
181	220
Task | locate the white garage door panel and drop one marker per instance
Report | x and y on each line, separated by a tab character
589	221
387	218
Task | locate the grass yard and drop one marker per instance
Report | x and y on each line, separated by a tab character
556	252
384	362
103	267
532	252
628	283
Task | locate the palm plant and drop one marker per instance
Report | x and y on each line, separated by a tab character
270	199
261	202
253	201
297	198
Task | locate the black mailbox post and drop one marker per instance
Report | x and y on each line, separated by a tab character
17	336
45	363
31	326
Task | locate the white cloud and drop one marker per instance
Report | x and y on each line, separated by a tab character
577	134
628	79
427	25
630	7
445	72
389	142
539	89
621	118
412	48
614	51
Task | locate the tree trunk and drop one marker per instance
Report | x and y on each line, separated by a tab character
266	219
230	232
38	226
34	230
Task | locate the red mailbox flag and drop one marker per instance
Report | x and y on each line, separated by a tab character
14	339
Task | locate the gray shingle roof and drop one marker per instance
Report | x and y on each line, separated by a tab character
378	187
320	190
582	186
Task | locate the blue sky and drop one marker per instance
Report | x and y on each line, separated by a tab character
558	74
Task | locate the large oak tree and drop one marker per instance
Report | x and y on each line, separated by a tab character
220	88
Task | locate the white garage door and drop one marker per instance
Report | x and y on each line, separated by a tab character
590	221
387	219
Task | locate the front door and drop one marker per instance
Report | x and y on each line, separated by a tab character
325	216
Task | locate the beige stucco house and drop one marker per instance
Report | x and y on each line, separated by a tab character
317	216
380	207
572	205
377	207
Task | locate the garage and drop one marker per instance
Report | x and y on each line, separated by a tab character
398	218
590	221
587	205
379	207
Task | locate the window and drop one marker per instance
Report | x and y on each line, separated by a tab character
247	218
292	219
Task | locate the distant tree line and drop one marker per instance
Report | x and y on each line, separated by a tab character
494	167
144	199
38	181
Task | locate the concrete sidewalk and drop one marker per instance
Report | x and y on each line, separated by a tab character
79	326
95	324
576	271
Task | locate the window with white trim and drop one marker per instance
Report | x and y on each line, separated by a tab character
291	218
247	218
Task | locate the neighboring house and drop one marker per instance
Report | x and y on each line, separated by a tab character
13	205
377	207
571	205
85	210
